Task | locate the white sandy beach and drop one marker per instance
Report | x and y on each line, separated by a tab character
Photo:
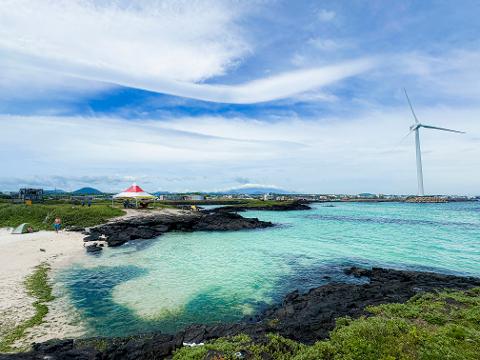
19	255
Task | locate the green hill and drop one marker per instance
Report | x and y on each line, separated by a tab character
87	191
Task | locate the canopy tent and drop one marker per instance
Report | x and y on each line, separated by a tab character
133	192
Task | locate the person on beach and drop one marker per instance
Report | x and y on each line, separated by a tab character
57	224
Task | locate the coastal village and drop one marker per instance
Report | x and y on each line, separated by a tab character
93	230
36	195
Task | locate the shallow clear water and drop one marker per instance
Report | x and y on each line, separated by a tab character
204	277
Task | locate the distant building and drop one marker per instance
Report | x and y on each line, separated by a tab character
194	197
33	195
172	197
367	196
267	197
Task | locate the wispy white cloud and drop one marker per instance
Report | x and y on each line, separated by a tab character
455	72
326	44
326	15
162	46
353	154
185	41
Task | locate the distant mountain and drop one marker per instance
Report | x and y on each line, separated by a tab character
54	192
255	189
87	191
157	193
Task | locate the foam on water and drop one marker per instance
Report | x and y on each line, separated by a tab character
183	278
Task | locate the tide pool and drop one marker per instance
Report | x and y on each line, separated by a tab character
206	277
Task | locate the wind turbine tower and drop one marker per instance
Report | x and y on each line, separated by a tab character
416	128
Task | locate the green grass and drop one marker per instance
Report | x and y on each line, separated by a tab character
41	216
429	327
38	287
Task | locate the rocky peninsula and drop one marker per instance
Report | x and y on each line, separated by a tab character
303	317
150	225
276	206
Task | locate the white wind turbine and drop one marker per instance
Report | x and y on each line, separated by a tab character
416	127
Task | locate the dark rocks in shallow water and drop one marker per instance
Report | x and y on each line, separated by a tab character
309	317
94	248
296	205
288	206
303	317
149	226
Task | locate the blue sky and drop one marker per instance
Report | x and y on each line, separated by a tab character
209	95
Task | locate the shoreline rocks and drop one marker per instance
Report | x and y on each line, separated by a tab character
304	317
295	205
149	226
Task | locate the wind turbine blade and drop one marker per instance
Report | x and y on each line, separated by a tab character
411	107
443	129
406	136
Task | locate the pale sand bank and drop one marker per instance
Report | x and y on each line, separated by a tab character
19	255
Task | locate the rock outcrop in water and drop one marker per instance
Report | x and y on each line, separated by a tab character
118	232
287	206
304	317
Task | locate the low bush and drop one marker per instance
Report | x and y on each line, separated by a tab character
41	216
443	325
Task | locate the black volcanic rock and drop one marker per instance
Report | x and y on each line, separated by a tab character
303	317
120	231
296	205
309	317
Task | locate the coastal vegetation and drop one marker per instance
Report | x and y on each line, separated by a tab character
41	216
444	325
37	286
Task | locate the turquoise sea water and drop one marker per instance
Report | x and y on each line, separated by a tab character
204	277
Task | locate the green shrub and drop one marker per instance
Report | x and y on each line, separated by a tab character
429	327
41	216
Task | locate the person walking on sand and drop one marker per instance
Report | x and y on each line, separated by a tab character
57	224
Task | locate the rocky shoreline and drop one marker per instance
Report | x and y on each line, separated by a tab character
148	226
295	205
303	317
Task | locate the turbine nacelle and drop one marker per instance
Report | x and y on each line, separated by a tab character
414	127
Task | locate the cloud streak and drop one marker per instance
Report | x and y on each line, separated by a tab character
160	46
354	154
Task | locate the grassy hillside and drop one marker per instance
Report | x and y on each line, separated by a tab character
41	216
432	326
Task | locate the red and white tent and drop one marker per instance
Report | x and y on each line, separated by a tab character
133	192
